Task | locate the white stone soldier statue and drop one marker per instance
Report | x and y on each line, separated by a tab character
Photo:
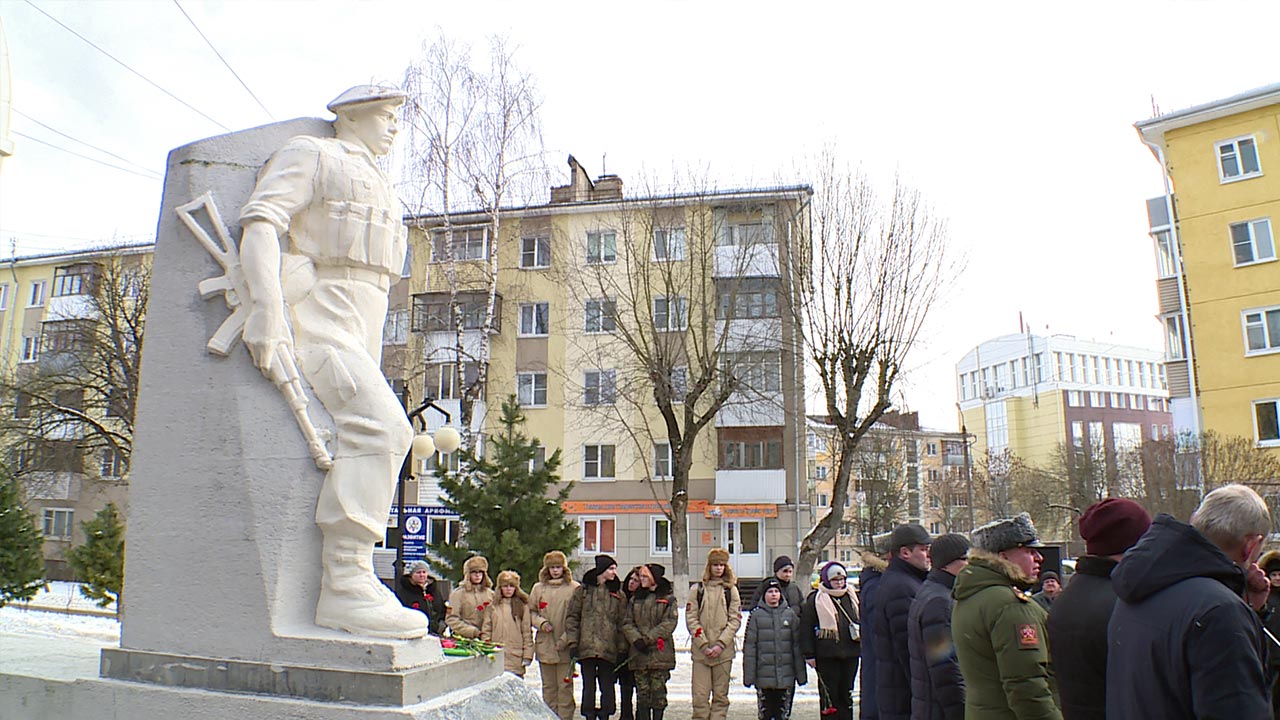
323	239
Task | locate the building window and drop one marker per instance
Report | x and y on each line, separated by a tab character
602	248
532	389
36	299
449	461
997	427
601	316
821	473
935	527
742	234
65	336
434	312
659	535
747	298
931	449
753	455
597	462
670	313
30	348
1074	399
679	384
1251	241
668	244
114	463
74	279
757	371
1238	159
1175	345
599	387
539	459
445	530
823	500
534	319
662	460
535	252
468	244
598	535
442	380
4	296
57	523
395	331
1261	330
1267	424
1165	260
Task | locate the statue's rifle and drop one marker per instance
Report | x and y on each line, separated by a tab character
284	370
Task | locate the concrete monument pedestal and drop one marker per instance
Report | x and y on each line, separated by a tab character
224	555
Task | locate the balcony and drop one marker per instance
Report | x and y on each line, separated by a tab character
755	260
71	307
752	412
753	335
751	486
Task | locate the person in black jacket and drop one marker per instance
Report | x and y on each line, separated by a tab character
784	571
829	638
418	590
1077	626
909	546
937	687
1270	564
1183	642
874	563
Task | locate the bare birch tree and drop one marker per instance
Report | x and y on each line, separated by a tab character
872	272
682	312
474	146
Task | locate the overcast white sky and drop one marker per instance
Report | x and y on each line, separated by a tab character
1015	119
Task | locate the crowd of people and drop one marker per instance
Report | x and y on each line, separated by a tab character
1162	619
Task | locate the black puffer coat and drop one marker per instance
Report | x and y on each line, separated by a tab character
771	657
897	588
1182	643
937	687
430	600
812	646
1077	631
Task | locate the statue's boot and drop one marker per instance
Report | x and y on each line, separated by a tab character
352	598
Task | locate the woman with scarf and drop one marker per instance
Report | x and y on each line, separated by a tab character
830	638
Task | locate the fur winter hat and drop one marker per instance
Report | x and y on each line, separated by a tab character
473	563
512	578
1270	561
555	558
1006	534
717	555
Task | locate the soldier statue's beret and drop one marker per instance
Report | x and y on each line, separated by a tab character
361	94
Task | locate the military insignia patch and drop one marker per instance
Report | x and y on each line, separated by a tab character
1028	635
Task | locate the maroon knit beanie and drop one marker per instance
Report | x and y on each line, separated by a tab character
1113	526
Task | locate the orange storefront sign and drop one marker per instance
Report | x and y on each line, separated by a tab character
648	507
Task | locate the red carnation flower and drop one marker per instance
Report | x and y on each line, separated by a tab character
662	644
430	597
697	633
830	711
416	607
482	607
542	605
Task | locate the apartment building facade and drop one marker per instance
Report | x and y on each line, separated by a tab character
585	282
1218	279
923	475
1028	396
47	314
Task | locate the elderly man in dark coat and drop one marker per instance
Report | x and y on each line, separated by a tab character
937	687
874	563
1078	619
1185	640
908	565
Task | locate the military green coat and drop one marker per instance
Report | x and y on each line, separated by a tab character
652	617
1001	644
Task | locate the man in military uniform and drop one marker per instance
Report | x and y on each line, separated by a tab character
323	238
999	630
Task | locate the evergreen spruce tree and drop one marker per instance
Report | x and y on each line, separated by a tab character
99	562
21	562
512	514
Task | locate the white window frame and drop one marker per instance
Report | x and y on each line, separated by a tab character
656	524
461	236
599	521
4	296
669	244
604	311
395	329
1253	227
30	348
528	321
1270	341
664	320
598	241
1173	330
1257	431
540	252
51	515
539	458
527	389
597	465
113	463
1238	156
603	383
662	460
1166	261
37	296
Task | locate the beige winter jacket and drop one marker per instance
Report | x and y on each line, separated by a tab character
548	604
711	622
515	636
468	602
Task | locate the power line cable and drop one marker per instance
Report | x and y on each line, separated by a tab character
82	142
224	60
126	67
151	176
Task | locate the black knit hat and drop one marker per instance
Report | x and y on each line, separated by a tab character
657	571
948	548
782	561
604	562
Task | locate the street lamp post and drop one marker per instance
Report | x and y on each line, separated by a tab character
968	468
446	440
